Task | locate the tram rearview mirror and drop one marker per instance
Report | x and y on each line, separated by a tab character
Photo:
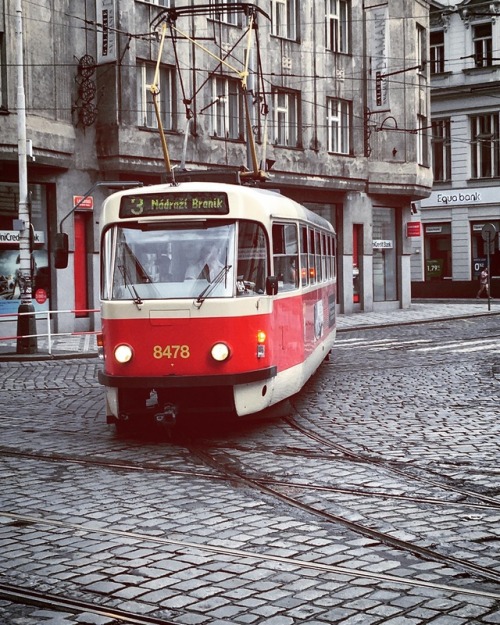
271	285
61	247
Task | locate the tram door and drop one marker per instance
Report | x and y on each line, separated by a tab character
80	265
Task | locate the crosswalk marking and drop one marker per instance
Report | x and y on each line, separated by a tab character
458	344
379	344
420	345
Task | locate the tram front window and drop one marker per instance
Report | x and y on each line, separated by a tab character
152	261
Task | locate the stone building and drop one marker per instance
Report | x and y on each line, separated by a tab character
339	109
465	106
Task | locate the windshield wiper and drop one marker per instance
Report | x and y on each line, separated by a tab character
210	287
130	286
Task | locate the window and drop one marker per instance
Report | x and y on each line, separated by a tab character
422	141
252	259
220	12
479	249
338	126
171	261
421	47
317	256
304	256
482	42
145	106
437	242
3	69
441	150
285	254
437	51
286	118
226	108
485	156
162	3
284	18
337	25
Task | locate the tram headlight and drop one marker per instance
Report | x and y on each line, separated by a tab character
220	352
123	353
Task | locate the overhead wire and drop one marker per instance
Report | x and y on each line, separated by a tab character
262	92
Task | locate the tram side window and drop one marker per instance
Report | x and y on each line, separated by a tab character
312	257
324	258
334	257
252	257
304	256
285	255
319	266
330	256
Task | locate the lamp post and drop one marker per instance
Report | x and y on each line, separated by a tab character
26	326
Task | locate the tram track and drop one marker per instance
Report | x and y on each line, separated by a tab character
28	596
279	489
486	573
485	503
391	466
297	563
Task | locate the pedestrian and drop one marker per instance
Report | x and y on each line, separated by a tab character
483	283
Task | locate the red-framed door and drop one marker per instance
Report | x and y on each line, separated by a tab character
80	265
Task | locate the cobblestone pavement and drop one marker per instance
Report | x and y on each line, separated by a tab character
176	530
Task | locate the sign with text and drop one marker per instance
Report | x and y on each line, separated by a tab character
12	237
382	244
433	268
413	229
82	202
377	41
478	264
461	197
176	203
106	35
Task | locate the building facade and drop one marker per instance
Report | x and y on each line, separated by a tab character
338	101
465	103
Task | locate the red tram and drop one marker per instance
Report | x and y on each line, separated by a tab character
214	298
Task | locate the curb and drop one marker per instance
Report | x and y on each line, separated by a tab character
40	357
410	322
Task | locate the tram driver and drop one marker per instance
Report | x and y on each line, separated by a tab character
207	267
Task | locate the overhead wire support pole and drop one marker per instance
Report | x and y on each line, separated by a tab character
244	76
251	10
26	343
155	92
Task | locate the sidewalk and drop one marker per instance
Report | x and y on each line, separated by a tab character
84	346
419	311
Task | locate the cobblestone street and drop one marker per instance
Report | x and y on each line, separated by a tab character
375	501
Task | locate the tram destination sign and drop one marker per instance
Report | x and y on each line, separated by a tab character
174	203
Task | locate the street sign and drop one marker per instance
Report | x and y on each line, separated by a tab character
413	229
41	296
378	89
83	202
488	232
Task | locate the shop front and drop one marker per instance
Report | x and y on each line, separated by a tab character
455	249
10	292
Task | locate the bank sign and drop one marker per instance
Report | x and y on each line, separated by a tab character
461	197
12	236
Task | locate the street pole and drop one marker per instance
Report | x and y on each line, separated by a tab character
489	273
26	326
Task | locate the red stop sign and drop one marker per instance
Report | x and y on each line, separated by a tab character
41	296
